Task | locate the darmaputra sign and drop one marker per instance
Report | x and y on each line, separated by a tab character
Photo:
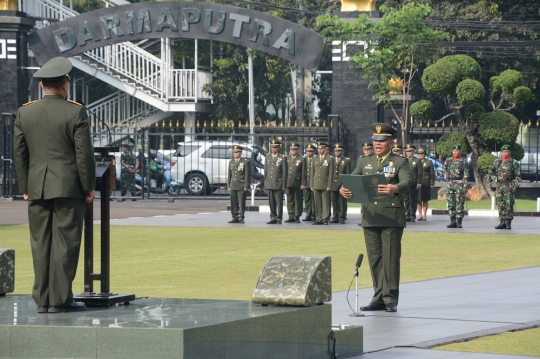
190	20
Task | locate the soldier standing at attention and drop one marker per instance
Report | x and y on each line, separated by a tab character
397	149
308	195
54	159
411	198
321	183
342	166
383	222
367	147
275	181
456	173
238	184
426	181
130	164
507	175
296	168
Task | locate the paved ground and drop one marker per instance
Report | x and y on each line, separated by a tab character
429	313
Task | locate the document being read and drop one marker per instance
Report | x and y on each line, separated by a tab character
364	188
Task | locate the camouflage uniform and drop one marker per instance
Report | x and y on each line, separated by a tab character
128	178
507	176
457	175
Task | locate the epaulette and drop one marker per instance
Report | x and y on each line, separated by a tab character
74	102
31	102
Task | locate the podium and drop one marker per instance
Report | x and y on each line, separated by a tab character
105	297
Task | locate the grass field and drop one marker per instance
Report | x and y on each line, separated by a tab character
224	263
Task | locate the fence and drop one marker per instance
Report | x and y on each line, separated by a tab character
426	135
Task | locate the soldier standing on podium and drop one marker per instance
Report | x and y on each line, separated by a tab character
296	167
275	181
308	195
383	222
55	164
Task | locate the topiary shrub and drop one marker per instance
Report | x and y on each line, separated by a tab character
470	91
449	139
473	113
484	162
422	109
498	128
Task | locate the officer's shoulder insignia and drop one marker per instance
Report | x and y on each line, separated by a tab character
74	102
31	102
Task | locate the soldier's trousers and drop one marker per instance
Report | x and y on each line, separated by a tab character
55	238
505	201
339	206
294	202
411	200
127	183
383	247
275	201
238	204
309	203
322	205
455	198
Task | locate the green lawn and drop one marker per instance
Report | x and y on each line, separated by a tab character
525	342
224	263
521	204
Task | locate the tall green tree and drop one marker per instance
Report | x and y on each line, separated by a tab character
393	49
456	79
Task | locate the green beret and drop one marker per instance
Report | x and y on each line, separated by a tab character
55	68
457	146
505	147
382	131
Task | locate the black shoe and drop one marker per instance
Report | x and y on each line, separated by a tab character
359	224
73	307
459	221
341	221
334	221
307	219
508	224
241	221
501	225
42	309
278	222
391	308
290	220
317	223
325	223
372	307
413	220
297	220
273	221
408	220
453	223
233	221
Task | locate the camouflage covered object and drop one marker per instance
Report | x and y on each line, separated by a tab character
295	280
7	270
507	177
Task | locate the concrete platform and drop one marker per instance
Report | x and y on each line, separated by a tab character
172	328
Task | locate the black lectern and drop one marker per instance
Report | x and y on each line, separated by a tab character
105	297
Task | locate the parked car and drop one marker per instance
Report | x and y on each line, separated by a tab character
202	165
529	166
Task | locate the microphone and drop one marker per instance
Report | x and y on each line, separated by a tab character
103	123
358	264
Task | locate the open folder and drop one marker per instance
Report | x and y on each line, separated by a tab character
364	188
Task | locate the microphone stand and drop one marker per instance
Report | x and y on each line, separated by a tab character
357	313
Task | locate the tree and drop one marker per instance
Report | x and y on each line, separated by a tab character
456	79
393	49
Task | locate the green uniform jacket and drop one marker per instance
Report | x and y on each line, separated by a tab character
426	173
275	172
321	172
296	171
239	174
391	213
415	168
341	167
306	179
54	171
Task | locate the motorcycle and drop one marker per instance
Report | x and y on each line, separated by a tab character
161	180
258	185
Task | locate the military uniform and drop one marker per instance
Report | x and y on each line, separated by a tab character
321	179
309	202
275	179
411	198
295	174
456	173
507	176
397	149
383	223
342	165
128	161
238	184
54	159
